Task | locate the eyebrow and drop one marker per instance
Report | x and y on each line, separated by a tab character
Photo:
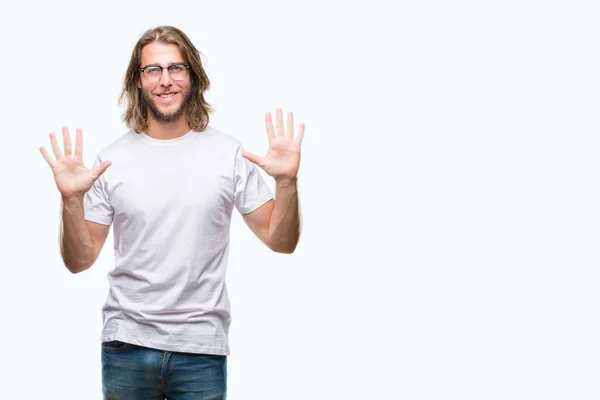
158	65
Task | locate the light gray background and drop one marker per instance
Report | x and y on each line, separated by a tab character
449	190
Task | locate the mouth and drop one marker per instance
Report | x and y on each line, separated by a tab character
167	96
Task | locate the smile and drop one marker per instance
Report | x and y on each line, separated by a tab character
167	96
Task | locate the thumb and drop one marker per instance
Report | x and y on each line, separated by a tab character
252	158
99	170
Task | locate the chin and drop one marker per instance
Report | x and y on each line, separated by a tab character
164	116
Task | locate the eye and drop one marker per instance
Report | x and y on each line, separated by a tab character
176	68
153	70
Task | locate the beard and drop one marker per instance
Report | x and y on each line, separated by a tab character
162	117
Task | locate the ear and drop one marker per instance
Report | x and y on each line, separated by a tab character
138	84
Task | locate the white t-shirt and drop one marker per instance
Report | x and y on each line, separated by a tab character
170	203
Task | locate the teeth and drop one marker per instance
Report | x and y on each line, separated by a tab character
166	96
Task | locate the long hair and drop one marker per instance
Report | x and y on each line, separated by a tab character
136	112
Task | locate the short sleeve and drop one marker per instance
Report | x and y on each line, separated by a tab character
96	207
251	190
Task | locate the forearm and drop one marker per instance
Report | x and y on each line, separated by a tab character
284	226
76	246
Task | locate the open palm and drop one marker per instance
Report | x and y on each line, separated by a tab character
283	158
71	176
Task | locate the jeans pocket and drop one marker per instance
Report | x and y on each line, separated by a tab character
115	345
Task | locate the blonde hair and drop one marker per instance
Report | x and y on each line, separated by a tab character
136	112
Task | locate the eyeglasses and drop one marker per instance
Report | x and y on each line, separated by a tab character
153	73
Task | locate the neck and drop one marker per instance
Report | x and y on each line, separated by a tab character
166	131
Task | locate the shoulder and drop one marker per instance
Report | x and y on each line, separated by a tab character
218	136
122	144
218	140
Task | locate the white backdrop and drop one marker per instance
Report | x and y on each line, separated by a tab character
448	185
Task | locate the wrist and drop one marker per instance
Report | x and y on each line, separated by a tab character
283	182
72	201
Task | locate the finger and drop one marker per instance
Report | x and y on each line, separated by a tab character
290	126
47	157
55	148
99	170
300	134
67	141
269	126
79	143
252	158
279	122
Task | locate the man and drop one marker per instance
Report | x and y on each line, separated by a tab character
169	193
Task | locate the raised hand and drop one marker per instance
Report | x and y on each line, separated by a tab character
72	178
283	158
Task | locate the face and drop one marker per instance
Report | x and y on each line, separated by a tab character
167	98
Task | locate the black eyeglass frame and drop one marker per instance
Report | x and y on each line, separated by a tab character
187	66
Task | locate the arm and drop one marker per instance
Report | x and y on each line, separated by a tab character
277	222
81	240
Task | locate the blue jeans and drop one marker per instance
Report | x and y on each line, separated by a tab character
132	372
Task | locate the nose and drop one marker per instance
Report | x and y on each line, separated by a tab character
165	79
